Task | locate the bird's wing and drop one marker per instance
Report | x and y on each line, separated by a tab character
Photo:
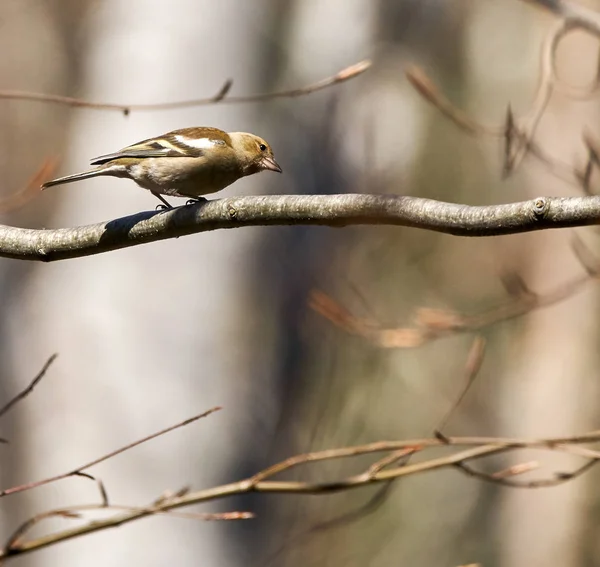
173	144
147	149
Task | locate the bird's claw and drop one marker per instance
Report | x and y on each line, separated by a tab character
195	201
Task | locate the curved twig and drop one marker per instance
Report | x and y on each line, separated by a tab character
519	132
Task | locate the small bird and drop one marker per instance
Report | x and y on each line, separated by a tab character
184	163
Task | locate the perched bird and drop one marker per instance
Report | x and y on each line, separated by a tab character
184	163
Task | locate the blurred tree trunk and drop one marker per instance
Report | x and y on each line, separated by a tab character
550	385
147	336
336	389
30	134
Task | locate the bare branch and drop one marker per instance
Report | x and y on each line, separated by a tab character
23	394
75	513
371	506
98	481
322	210
79	470
432	94
433	324
472	366
220	97
519	132
467	449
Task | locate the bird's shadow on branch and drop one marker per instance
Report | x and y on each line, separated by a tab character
119	230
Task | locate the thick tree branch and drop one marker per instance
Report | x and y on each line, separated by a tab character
323	210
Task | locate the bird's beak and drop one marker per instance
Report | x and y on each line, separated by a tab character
271	164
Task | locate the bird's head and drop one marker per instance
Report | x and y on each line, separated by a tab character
253	153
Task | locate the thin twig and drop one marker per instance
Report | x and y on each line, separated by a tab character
74	512
476	448
221	97
364	510
99	484
435	324
514	470
78	471
432	94
472	366
395	456
559	478
24	393
519	132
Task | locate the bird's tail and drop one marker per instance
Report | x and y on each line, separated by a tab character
76	177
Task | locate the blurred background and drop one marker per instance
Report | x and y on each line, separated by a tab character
153	334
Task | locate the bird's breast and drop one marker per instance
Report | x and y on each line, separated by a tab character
184	176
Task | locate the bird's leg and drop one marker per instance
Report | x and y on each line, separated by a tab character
165	204
196	200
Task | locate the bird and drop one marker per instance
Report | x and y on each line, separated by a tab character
189	162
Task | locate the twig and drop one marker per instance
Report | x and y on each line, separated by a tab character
221	97
559	478
435	324
368	508
395	456
472	366
99	484
432	94
24	393
79	470
514	470
74	512
519	132
476	448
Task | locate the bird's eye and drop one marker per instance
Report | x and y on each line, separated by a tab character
262	147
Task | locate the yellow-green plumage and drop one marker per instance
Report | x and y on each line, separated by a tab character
184	163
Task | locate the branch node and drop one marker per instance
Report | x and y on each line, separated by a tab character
540	207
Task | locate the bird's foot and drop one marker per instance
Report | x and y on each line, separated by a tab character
165	204
190	202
